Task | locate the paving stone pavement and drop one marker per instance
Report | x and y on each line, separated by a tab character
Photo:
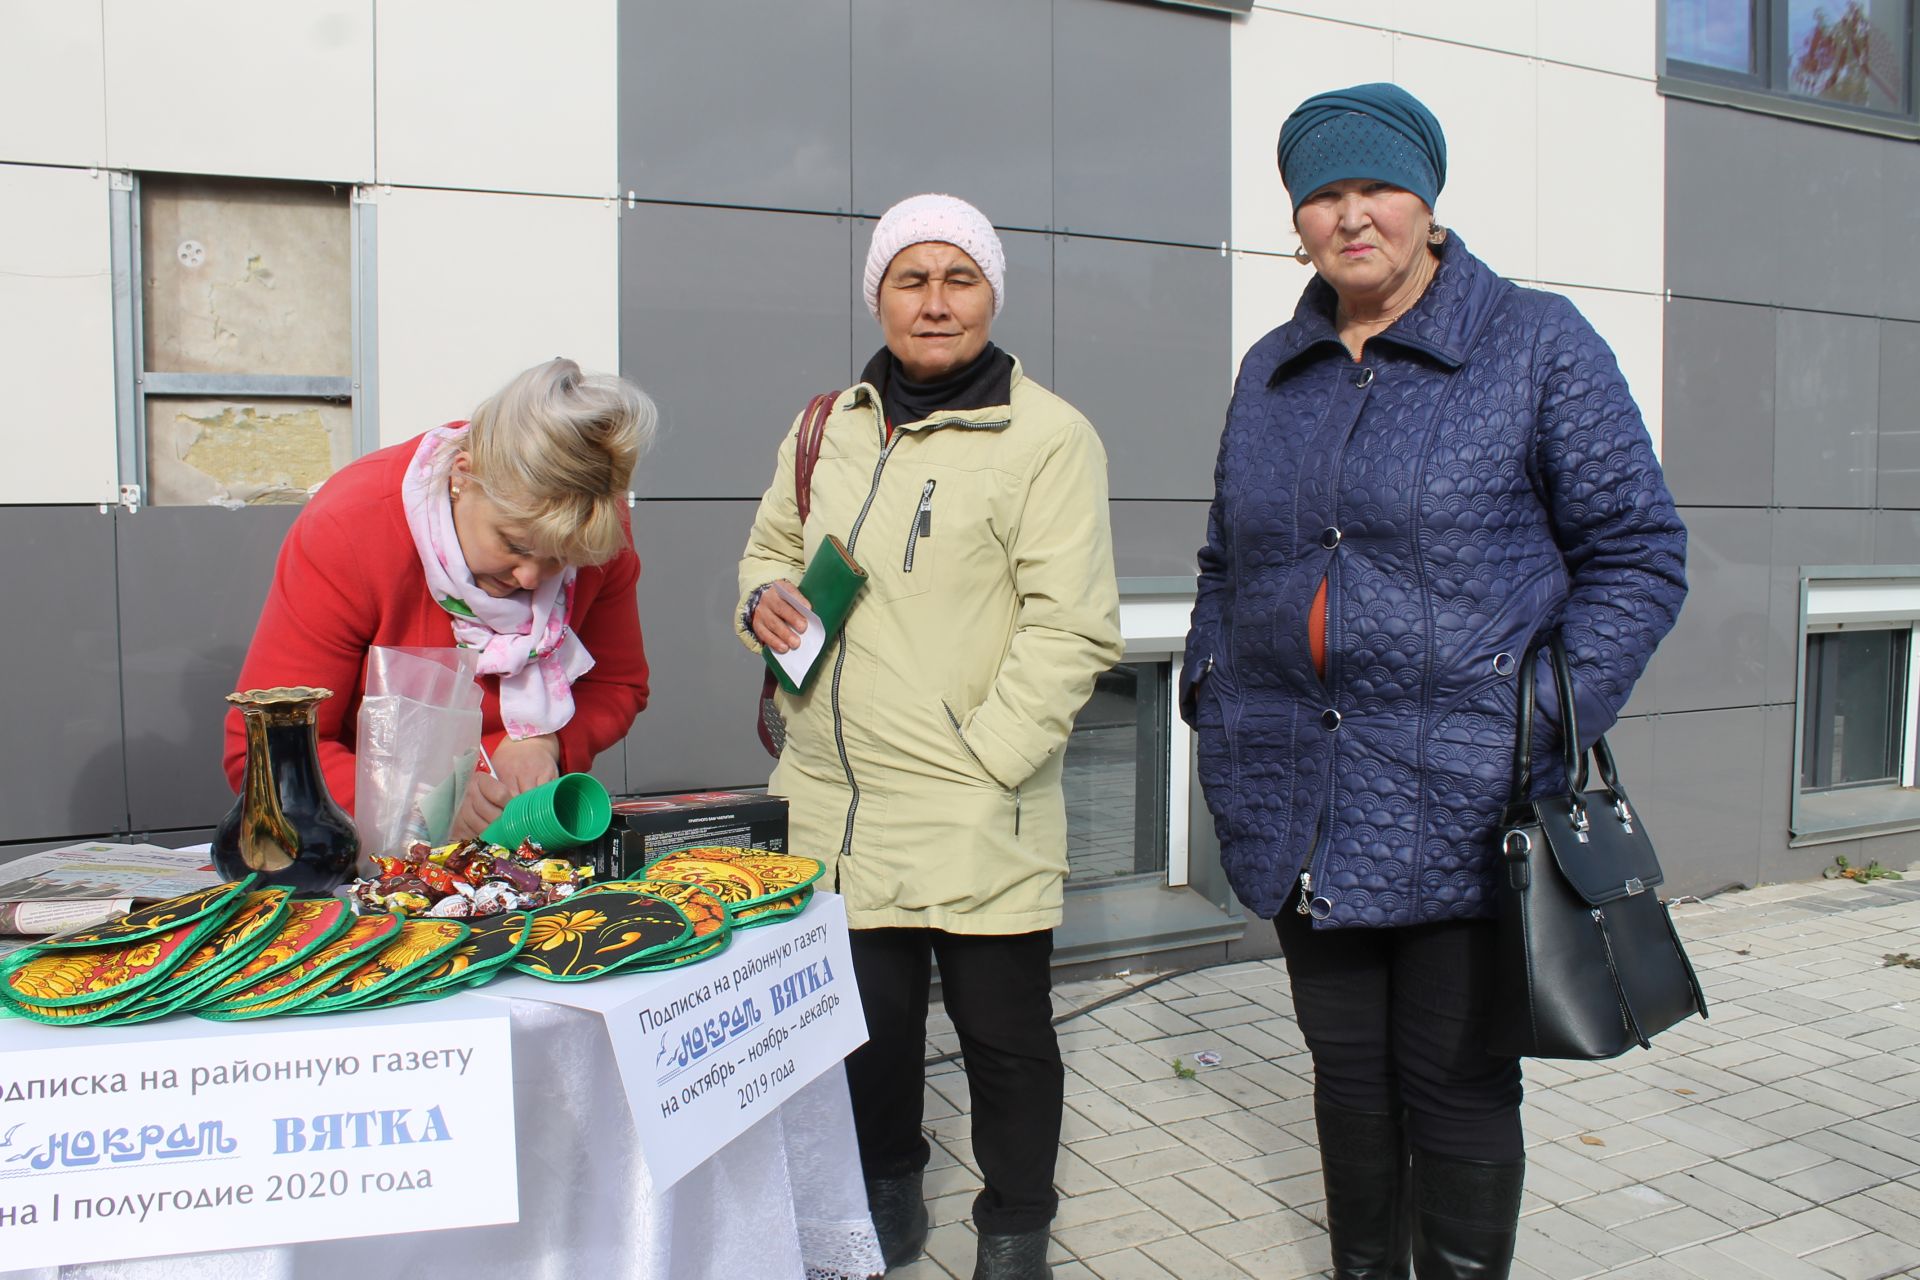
1780	1138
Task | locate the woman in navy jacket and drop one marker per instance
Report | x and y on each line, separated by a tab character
1423	473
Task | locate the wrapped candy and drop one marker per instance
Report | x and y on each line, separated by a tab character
465	879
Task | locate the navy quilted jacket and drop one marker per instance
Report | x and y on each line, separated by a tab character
1479	476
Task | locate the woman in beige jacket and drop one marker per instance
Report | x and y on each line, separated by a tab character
923	762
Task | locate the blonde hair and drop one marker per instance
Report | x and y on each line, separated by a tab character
555	450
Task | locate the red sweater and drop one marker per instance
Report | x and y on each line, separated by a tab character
348	578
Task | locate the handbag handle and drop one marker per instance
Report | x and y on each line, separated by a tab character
1572	758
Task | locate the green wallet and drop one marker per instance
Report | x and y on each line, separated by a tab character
831	584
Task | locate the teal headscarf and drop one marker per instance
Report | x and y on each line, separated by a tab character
1376	131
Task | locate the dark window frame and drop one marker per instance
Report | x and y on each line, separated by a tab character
1764	90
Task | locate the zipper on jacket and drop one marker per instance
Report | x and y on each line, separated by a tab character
840	658
966	746
922	526
1323	837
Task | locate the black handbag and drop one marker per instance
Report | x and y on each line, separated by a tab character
1589	962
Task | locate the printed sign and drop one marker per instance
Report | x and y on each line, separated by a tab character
186	1137
707	1049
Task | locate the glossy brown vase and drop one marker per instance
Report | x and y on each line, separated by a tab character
285	826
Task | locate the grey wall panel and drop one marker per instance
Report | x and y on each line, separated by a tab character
1024	325
192	580
1717	655
1805	538
710	116
61	764
1777	861
1897	263
1724	236
1141	336
957	104
1825	190
1896	537
1704	806
731	319
1826	406
1899	417
1130	82
1157	539
697	730
1717	441
1632	741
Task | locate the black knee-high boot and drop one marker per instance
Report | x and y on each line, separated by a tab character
1363	1161
1466	1215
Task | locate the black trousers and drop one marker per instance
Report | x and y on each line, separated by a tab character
998	990
1396	1020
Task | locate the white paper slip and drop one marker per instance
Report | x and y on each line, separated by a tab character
798	661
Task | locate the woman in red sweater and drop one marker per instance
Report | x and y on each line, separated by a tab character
509	535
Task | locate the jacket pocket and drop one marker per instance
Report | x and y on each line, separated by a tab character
1012	793
1216	713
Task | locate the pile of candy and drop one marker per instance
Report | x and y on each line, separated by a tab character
465	880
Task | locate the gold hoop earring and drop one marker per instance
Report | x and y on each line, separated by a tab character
1302	257
1436	234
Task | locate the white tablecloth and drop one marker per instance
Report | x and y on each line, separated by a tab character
783	1201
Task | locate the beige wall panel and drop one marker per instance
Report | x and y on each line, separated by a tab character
1265	290
1369	13
1634	325
1506	25
1277	60
1603	165
1617	36
1484	102
242	88
56	337
475	287
52	105
498	95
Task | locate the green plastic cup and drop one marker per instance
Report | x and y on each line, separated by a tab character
573	809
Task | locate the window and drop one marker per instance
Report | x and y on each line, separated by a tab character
1858	745
1115	777
1834	60
238	336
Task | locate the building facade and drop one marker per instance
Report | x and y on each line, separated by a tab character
247	243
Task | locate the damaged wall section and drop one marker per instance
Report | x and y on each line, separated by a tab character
243	278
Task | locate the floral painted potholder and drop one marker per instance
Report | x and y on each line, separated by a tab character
415	948
291	987
161	917
309	925
773	912
584	937
698	903
733	884
95	981
782	873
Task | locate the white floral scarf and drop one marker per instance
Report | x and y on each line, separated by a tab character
524	639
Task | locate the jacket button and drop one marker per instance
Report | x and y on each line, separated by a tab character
1329	537
1503	664
1364	378
1330	719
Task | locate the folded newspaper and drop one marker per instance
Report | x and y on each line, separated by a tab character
83	885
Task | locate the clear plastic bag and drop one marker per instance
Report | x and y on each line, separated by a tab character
418	741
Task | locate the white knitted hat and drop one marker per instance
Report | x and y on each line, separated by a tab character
947	219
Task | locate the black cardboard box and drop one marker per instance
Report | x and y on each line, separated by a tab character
656	825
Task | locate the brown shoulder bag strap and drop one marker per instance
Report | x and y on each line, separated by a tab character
813	427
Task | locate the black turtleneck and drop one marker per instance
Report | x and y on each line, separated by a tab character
986	380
